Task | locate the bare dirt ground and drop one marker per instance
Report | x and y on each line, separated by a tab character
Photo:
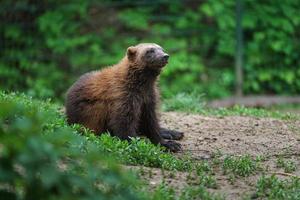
232	135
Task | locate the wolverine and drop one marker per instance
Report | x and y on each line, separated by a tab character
123	99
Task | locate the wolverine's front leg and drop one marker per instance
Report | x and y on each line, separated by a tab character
170	134
149	126
123	122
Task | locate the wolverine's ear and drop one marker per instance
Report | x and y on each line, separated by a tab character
131	52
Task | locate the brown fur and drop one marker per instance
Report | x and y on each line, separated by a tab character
121	99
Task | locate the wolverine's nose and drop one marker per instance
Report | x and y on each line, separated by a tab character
166	56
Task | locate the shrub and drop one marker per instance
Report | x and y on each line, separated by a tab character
53	164
44	43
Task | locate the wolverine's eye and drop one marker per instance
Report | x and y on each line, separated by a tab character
151	50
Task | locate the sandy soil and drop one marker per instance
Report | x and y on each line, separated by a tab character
232	135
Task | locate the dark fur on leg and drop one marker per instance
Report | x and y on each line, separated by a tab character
171	134
171	146
150	127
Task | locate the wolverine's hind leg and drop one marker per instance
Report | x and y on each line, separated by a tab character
94	117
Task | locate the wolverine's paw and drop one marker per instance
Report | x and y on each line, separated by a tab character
172	146
171	135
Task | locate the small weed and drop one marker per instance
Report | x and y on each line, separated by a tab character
217	157
231	179
260	158
274	188
280	162
242	165
207	180
203	166
287	165
190	178
205	175
163	192
198	192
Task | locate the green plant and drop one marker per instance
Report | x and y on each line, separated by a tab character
287	165
242	165
275	188
44	43
207	180
56	164
205	175
198	193
203	166
163	192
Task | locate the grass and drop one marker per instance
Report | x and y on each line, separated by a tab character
140	152
198	192
288	165
240	165
205	177
164	192
201	176
196	104
271	187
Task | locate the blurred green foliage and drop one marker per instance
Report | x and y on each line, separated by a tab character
48	44
39	160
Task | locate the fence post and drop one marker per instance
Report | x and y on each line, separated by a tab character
239	49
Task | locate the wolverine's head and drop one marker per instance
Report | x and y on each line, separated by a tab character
148	55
